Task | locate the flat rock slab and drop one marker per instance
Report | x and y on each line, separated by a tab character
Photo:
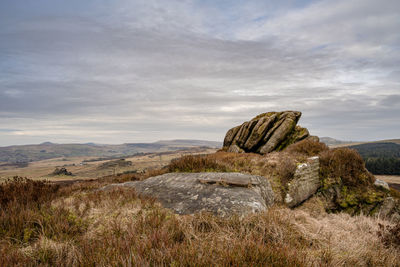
223	194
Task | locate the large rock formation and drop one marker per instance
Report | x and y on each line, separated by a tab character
220	193
265	133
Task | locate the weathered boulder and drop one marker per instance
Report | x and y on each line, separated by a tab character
265	133
387	207
304	184
220	193
382	184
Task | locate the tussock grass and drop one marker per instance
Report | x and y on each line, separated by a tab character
82	227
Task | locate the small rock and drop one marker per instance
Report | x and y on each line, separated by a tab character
62	171
380	183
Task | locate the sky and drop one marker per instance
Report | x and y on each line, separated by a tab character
120	71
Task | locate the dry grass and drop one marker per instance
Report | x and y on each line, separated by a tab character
196	163
74	225
124	177
390	235
343	240
285	169
119	228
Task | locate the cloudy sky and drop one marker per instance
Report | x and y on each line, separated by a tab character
115	71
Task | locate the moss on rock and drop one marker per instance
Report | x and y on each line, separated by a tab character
346	183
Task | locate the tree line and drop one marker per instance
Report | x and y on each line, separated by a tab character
380	158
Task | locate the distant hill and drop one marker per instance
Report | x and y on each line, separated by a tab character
188	142
396	141
329	141
47	150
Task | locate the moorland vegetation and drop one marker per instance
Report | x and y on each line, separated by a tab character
43	223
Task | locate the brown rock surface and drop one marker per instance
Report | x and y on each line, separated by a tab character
272	131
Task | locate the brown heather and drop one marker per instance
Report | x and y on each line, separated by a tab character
197	163
43	224
346	164
307	147
86	228
390	235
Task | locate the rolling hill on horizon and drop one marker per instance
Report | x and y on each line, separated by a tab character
48	150
329	141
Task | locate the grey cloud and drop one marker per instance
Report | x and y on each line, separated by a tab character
180	76
8	130
390	101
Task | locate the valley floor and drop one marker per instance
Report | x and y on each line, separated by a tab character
85	168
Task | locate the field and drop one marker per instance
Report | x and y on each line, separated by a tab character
84	168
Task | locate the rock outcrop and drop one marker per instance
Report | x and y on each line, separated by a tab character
272	131
62	171
304	184
220	193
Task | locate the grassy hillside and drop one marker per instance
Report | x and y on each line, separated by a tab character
29	153
94	167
